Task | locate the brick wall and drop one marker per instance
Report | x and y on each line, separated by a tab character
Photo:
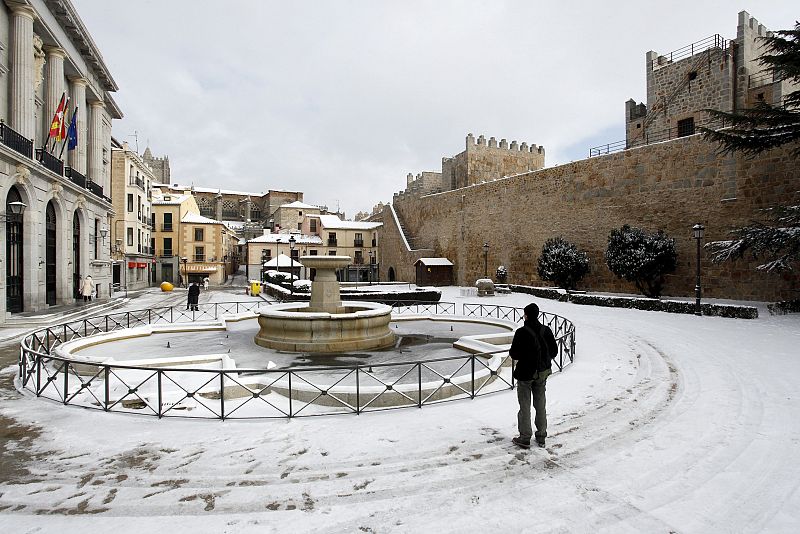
667	186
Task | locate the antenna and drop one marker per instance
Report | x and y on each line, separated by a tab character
136	136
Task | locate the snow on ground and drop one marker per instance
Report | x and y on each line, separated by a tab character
664	423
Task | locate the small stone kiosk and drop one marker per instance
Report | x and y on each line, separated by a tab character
434	272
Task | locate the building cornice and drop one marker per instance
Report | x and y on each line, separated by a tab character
68	18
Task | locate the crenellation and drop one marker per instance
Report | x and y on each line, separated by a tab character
514	146
523	147
481	140
503	143
492	142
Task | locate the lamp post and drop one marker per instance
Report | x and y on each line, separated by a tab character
370	267
698	230
292	242
486	260
185	260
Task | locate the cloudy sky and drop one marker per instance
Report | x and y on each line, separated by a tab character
341	99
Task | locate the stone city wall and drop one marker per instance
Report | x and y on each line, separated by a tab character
668	186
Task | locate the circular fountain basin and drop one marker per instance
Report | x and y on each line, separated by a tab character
297	327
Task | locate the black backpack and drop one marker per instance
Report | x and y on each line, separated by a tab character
542	358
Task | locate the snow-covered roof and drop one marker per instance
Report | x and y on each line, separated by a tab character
430	262
174	200
299	205
198	189
332	221
196	218
282	260
284	238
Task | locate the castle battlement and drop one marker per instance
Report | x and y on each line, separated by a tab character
481	141
746	21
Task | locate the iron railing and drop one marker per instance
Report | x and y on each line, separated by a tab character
16	141
262	393
650	137
95	188
75	177
710	42
49	161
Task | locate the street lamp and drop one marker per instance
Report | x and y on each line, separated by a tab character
15	211
370	267
292	242
486	260
698	230
185	260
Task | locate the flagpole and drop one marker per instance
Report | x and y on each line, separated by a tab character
66	137
47	139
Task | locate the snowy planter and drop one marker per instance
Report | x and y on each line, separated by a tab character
485	287
783	307
551	293
669	306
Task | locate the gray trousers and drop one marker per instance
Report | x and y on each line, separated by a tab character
536	389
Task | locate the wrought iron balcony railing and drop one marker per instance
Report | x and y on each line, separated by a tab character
16	141
75	177
358	243
49	161
166	227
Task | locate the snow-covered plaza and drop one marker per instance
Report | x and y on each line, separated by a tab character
664	423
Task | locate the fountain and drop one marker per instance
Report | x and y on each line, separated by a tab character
324	325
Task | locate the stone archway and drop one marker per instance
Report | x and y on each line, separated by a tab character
15	240
51	241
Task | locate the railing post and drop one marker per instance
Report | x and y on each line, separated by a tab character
149	317
358	394
38	375
66	381
128	317
222	395
290	394
170	315
86	327
106	323
160	398
472	362
419	385
107	388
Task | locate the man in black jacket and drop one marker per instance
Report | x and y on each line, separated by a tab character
533	348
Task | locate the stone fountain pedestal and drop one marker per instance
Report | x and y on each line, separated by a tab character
325	325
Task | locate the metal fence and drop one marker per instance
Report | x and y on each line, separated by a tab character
220	393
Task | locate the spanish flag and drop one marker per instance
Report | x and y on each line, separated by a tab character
58	118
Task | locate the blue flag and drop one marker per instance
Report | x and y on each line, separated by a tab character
72	133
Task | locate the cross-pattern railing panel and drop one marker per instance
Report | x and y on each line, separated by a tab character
260	393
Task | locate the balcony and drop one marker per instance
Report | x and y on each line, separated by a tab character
374	242
167	253
166	227
49	161
75	177
199	257
331	242
95	189
138	182
16	141
358	242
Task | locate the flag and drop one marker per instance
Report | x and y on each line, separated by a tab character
62	131
72	132
58	118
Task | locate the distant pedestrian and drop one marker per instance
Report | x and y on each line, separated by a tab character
87	288
205	283
533	348
194	295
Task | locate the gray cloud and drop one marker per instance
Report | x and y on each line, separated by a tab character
342	99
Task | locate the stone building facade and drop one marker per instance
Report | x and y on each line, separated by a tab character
667	185
62	235
132	239
713	73
481	160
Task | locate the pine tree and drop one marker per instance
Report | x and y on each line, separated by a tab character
778	239
642	258
751	132
754	130
561	262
